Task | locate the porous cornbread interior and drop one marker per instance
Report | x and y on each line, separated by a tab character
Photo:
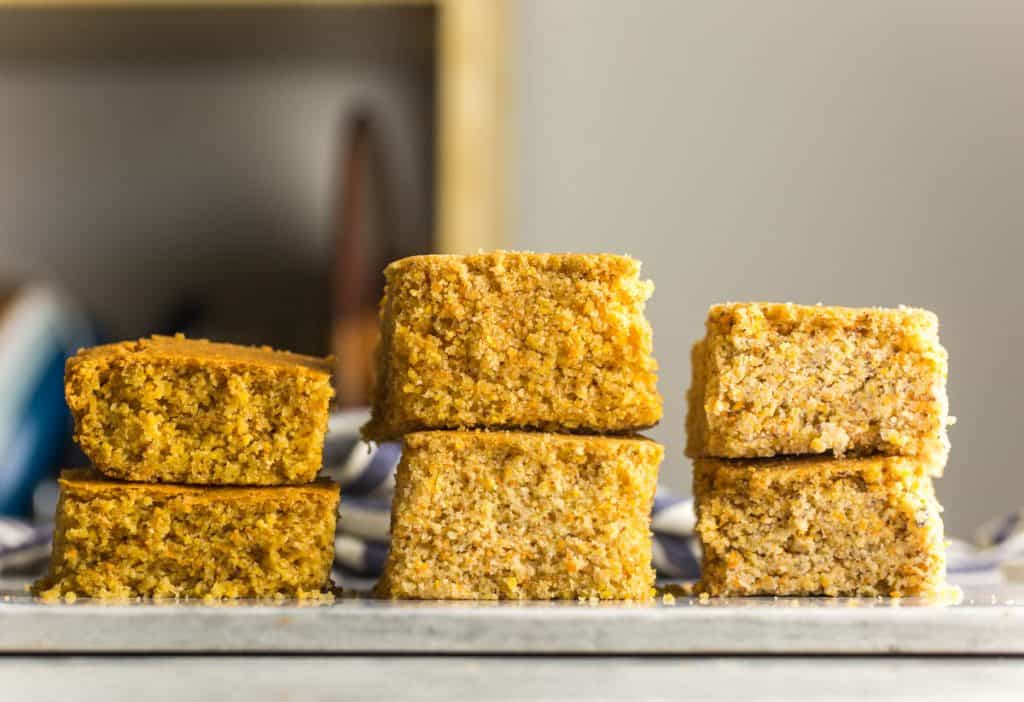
775	379
507	515
812	526
554	342
119	540
171	409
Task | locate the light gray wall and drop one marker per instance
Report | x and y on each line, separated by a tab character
858	153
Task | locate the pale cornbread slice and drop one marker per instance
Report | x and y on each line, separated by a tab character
508	515
116	540
177	410
818	526
775	379
556	342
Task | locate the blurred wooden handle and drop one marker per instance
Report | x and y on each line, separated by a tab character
359	257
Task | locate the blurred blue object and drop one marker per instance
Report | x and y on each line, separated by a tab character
39	328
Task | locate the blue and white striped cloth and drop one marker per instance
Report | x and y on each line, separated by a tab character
367	474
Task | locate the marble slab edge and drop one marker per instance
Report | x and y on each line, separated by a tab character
797	626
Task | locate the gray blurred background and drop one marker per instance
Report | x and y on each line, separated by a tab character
859	153
866	153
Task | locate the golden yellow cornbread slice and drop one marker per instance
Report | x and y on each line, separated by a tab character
116	540
780	379
178	410
818	526
555	342
508	515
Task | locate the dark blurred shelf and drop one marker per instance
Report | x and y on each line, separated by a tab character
192	32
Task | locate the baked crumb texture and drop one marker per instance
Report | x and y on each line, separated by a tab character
813	526
170	409
507	515
776	379
550	342
124	540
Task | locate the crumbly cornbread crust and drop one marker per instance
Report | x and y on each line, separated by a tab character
508	515
774	379
813	526
171	409
118	540
556	342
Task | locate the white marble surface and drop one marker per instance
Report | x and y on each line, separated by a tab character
986	621
253	679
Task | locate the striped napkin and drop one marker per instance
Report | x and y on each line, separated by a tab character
367	477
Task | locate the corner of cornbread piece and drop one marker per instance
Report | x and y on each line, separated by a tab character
554	342
775	379
509	515
118	540
178	410
815	526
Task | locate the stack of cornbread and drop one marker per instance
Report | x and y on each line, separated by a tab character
516	381
205	458
816	432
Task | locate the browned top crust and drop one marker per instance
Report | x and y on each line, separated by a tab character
788	317
526	439
584	264
178	348
807	468
88	480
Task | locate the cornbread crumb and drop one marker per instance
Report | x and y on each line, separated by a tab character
48	595
509	515
948	595
555	342
170	409
681	589
668	598
117	540
813	526
772	379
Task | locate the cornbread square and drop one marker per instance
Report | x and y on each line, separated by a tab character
815	526
774	379
177	410
508	515
555	342
117	540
